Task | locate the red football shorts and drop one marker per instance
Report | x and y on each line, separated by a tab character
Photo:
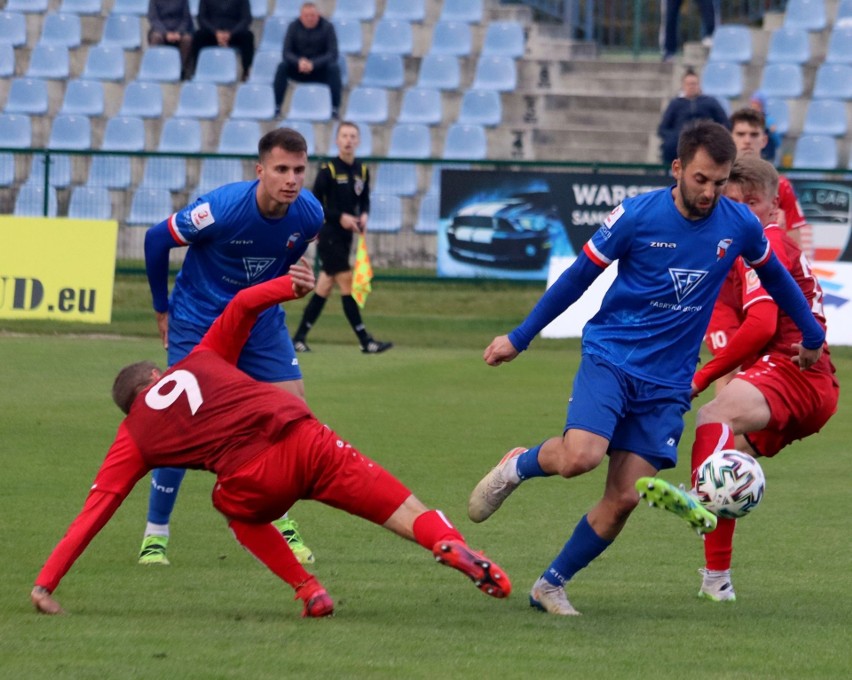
800	402
311	462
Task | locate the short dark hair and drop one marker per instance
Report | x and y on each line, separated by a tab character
130	381
282	138
349	123
749	116
715	139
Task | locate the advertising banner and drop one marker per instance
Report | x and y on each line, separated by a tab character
827	205
58	269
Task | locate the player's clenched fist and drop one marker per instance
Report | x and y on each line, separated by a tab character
500	350
303	277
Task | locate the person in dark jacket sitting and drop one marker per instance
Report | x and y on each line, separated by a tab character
310	56
171	24
225	23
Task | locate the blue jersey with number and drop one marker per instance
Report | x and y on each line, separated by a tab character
670	269
234	246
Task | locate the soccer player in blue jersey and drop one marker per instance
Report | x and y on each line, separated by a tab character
236	236
674	248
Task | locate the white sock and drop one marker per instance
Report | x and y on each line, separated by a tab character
512	471
152	529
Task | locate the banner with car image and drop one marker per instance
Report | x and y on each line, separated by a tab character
509	224
827	205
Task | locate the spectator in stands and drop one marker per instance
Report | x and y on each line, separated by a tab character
225	23
773	139
670	18
171	24
309	56
688	106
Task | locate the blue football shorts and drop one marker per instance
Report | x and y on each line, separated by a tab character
633	414
268	356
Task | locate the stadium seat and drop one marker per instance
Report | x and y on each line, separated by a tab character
259	9
815	151
349	36
198	100
833	81
289	9
779	111
360	10
310	101
160	64
90	203
149	206
788	46
844	13
137	7
239	137
216	65
66	133
264	66
383	70
421	105
27	95
407	140
732	44
481	107
392	37
29	6
7	61
123	133
61	29
505	37
495	72
839	50
90	7
465	142
123	30
428	214
13	29
343	65
440	72
385	213
782	81
826	117
254	102
83	98
451	37
30	201
218	171
405	10
367	105
104	62
49	61
272	37
304	128
179	135
365	145
722	79
807	15
143	99
16	133
469	11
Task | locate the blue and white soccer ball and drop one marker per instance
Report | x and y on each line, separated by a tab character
730	484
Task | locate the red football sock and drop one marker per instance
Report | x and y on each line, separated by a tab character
432	526
267	544
719	545
709	438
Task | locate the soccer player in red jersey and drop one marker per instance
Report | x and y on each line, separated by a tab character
770	402
267	451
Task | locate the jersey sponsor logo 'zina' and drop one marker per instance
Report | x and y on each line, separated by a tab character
255	266
686	281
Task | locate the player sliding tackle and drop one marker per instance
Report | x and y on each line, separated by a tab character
267	451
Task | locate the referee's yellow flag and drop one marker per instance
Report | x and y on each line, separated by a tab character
362	274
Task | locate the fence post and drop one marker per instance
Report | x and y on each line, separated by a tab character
46	203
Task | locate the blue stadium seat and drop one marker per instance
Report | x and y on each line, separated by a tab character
782	81
788	46
49	61
421	105
360	10
83	98
143	99
254	102
259	9
506	37
160	64
272	37
844	12
365	145
722	79
137	7
123	133
469	11
451	37
392	37
440	72
779	111
408	140
808	15
405	10
7	61
732	43
428	214
833	81
264	66
310	101
465	142
149	206
29	6
182	135
16	133
826	117
66	132
90	7
90	203
367	105
385	213
350	39
104	62
30	201
61	29
288	9
13	29
123	30
198	100
815	151
343	65
481	107
495	72
383	70
839	50
27	95
239	137
218	171
216	65
304	128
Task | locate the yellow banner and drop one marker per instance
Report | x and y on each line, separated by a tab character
57	268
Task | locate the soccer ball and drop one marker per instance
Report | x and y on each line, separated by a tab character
730	484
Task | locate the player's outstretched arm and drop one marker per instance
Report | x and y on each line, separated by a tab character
499	351
43	601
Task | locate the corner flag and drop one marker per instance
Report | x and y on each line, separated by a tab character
362	274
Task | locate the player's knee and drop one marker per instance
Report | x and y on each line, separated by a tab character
576	460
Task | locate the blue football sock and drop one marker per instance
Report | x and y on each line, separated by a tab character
583	546
528	464
165	483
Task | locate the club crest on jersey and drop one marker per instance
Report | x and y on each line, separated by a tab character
685	281
255	266
201	216
752	280
612	218
358	186
722	247
291	242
